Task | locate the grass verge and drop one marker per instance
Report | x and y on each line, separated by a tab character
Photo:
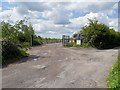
79	46
113	80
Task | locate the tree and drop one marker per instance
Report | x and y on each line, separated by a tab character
99	35
9	33
14	39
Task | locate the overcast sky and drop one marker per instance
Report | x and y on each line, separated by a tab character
54	19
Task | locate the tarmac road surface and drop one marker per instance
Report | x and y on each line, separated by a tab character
54	66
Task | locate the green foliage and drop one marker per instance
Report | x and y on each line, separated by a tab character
10	51
50	40
99	35
113	80
37	40
82	46
0	32
78	46
25	45
70	45
18	38
9	33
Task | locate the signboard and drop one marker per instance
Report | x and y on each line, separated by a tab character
65	40
78	42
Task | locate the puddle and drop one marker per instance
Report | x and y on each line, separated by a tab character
39	66
61	75
35	59
44	53
59	60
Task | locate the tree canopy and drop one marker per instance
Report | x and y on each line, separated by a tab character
99	35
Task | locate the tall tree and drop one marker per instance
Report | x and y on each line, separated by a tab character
99	35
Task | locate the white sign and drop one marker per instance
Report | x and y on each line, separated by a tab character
78	42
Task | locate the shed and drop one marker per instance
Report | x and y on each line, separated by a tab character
78	38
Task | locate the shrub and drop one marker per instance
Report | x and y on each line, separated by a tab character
10	52
70	45
26	45
37	42
100	35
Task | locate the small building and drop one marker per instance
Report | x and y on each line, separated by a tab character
78	39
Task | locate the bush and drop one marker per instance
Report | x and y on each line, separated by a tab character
16	39
37	42
100	35
10	52
26	45
70	45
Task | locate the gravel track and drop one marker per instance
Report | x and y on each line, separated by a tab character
54	66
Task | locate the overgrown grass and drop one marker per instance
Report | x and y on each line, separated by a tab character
78	46
113	80
82	46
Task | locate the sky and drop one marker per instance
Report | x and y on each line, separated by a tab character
54	19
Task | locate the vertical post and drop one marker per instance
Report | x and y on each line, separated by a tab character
31	40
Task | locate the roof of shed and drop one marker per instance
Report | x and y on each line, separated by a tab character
78	36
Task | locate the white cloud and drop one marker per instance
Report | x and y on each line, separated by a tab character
51	32
0	9
11	15
22	10
90	6
114	10
35	6
47	14
57	13
62	0
113	23
43	26
49	29
77	23
56	19
60	16
34	14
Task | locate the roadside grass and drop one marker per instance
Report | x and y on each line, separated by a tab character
78	46
82	46
113	80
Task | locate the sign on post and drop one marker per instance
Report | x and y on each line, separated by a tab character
65	40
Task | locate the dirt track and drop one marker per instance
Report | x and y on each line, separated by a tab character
53	66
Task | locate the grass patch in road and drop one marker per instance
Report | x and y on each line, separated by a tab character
113	80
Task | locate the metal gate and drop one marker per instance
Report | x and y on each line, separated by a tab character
65	40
